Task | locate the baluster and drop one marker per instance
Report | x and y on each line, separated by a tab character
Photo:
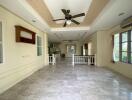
76	59
73	60
89	60
83	59
79	59
53	59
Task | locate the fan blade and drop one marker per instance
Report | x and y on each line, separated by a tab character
58	19
64	24
78	15
64	11
75	22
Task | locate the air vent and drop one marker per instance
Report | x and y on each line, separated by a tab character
127	22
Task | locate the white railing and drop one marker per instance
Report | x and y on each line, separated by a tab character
52	59
89	59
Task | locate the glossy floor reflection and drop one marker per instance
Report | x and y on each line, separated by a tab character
65	82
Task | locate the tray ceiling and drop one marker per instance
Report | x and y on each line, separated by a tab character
55	7
51	9
102	14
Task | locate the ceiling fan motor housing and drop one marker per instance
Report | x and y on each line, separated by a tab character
68	17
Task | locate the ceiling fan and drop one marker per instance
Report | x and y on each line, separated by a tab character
69	18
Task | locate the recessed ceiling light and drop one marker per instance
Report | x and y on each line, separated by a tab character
120	14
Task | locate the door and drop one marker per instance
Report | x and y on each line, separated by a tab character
70	50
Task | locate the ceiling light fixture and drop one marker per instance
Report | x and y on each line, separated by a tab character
68	22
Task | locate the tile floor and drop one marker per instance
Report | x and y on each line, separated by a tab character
65	82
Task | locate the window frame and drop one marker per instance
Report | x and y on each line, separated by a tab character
121	46
129	41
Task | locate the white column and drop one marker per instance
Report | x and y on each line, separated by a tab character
89	60
48	59
53	59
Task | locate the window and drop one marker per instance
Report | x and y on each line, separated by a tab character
1	46
123	47
39	46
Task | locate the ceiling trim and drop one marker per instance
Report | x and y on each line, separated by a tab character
70	29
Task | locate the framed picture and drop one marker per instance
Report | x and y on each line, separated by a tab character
24	35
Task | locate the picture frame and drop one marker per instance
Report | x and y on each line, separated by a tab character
24	35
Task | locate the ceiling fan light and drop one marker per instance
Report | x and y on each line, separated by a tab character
68	22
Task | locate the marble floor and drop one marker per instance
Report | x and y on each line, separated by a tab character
65	82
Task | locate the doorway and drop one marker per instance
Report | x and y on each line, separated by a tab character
71	49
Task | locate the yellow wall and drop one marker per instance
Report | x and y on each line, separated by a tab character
104	52
105	41
20	59
93	40
62	47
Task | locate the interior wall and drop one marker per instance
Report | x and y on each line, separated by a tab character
104	43
104	51
92	39
63	48
20	59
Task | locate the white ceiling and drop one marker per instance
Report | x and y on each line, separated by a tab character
110	15
107	19
23	10
75	7
68	35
